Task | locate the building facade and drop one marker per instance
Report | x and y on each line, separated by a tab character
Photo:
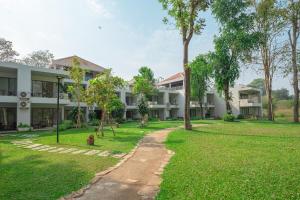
28	95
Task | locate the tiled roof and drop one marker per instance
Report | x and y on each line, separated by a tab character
176	77
83	63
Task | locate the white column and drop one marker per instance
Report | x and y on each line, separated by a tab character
62	113
24	85
166	101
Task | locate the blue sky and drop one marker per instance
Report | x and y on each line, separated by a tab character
131	35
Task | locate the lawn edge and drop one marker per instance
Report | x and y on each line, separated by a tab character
99	175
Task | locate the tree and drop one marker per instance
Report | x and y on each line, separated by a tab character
258	83
281	94
102	92
270	54
76	88
292	16
185	13
117	110
41	58
234	43
201	73
6	51
144	87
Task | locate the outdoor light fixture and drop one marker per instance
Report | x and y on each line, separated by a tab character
57	108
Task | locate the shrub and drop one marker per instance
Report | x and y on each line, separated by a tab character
229	117
240	116
23	125
91	140
94	122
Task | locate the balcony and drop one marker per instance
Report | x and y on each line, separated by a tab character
40	98
250	103
155	104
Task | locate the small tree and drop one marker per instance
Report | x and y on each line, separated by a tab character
258	83
143	110
117	110
201	73
186	14
144	87
6	51
76	89
102	92
41	58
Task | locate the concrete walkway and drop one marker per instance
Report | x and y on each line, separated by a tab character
137	178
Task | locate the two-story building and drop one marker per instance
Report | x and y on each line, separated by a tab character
28	95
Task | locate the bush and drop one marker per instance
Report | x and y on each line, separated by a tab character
64	125
23	125
229	117
94	122
240	116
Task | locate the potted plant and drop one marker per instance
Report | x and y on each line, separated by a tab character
23	127
91	140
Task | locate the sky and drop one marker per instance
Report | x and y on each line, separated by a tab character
120	34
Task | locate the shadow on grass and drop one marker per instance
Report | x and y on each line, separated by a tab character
33	177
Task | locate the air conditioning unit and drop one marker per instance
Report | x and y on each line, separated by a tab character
23	95
24	104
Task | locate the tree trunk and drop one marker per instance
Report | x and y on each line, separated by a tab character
187	86
295	71
78	114
268	86
227	98
101	127
201	109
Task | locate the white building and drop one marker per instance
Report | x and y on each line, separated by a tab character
28	95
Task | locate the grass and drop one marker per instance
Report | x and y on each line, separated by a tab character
27	174
242	160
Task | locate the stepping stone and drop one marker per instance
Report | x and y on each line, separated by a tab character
104	154
68	150
57	150
22	142
119	155
47	149
92	152
79	151
33	146
40	147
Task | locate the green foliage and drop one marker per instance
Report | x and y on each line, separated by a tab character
21	125
229	117
186	14
76	89
234	44
144	83
102	92
281	94
143	107
201	73
117	110
65	125
73	114
258	83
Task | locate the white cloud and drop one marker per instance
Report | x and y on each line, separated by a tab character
99	8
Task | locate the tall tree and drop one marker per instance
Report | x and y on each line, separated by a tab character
102	92
258	83
143	87
76	88
234	43
7	53
201	73
41	58
270	25
292	14
187	19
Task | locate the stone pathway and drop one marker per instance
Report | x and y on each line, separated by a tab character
136	177
28	144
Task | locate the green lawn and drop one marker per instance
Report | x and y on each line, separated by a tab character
240	160
27	174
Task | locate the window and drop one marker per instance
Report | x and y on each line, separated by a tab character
44	89
8	118
88	76
8	86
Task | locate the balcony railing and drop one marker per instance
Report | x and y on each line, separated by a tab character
44	95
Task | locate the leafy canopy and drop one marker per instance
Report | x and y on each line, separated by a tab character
201	72
102	90
7	53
